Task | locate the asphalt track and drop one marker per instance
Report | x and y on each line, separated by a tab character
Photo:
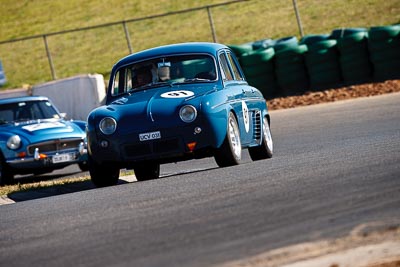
335	166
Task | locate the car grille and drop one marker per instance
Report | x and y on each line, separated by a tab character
155	147
257	126
55	146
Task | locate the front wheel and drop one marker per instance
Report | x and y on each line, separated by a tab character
6	174
102	174
147	171
230	152
83	166
265	150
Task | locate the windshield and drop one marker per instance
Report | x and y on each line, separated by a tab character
25	111
164	70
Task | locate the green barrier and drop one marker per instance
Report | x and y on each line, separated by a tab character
322	62
350	55
310	39
257	57
384	51
354	57
343	32
290	69
241	49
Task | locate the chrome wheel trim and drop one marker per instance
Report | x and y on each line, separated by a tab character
234	138
267	135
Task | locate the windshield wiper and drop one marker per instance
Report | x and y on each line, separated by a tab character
193	80
197	80
3	122
23	120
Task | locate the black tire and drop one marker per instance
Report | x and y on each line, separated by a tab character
265	150
321	45
263	44
241	49
343	32
379	33
288	53
258	69
230	152
6	174
83	166
147	171
267	84
286	42
313	38
349	41
102	174
257	57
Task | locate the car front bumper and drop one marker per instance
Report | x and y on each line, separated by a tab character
55	160
173	145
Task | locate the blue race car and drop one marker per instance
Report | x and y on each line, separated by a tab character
174	103
35	138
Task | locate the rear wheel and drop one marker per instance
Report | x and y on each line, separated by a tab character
230	153
147	171
265	150
6	174
102	174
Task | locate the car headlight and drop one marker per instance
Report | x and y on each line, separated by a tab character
14	142
188	113
108	125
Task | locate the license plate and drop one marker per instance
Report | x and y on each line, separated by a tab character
149	136
62	158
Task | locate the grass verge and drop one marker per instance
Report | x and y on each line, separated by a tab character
9	189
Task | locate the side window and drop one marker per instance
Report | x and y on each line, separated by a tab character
227	74
122	81
115	88
128	80
235	68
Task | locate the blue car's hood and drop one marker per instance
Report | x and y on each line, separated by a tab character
157	106
36	131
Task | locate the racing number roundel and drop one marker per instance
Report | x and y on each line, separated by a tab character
246	121
177	94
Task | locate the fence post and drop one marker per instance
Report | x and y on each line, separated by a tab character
53	72
210	19
128	38
296	10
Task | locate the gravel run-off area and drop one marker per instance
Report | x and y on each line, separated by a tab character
336	94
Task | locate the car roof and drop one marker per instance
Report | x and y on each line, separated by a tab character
181	48
22	99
